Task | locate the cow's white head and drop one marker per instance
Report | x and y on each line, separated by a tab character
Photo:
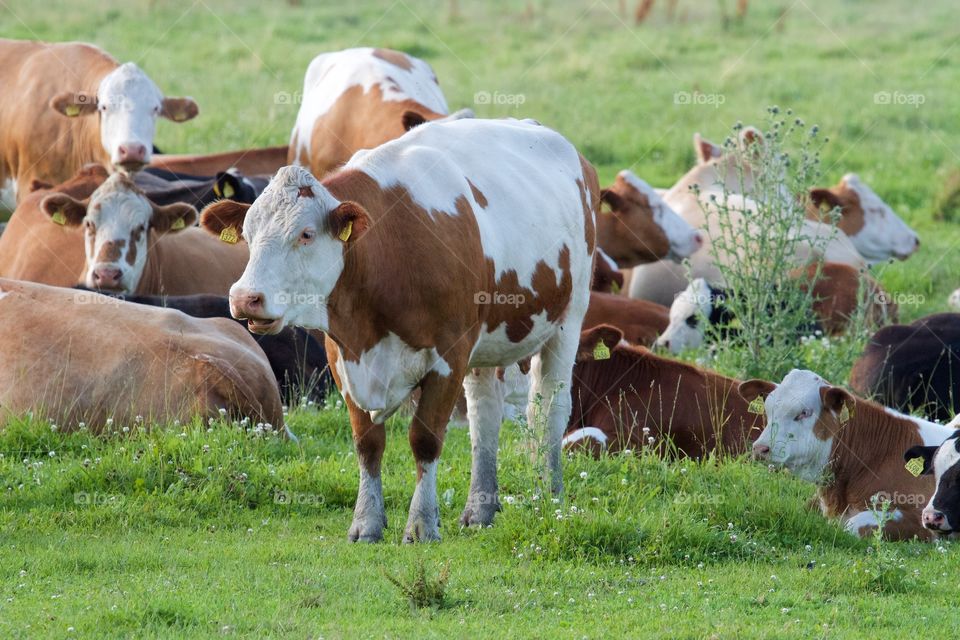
942	513
297	233
117	219
694	308
874	229
802	415
637	226
128	104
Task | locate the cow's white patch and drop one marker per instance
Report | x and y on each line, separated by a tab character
884	234
792	410
385	375
129	104
945	458
330	75
684	239
610	261
689	314
857	521
585	433
424	521
931	433
4	294
8	195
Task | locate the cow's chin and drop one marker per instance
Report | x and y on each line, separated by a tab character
265	327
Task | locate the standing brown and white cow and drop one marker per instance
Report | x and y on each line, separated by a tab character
430	261
69	104
358	99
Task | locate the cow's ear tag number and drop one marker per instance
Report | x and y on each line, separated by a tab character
914	466
601	351
347	230
230	235
756	406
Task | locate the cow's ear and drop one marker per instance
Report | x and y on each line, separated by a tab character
349	221
179	109
820	197
64	210
221	215
613	199
753	389
925	453
704	150
412	119
597	343
836	399
748	137
74	103
172	217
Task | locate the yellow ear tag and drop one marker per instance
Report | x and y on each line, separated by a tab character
229	235
614	287
914	466
756	406
845	415
347	230
228	190
179	116
72	110
216	190
601	351
178	224
58	217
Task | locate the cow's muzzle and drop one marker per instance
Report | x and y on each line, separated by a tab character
249	306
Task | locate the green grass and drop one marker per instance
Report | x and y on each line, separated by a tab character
222	534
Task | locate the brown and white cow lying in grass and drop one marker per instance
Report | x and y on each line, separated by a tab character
77	356
626	397
838	294
430	261
66	105
724	176
358	99
851	448
942	514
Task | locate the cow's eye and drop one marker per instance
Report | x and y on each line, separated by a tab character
693	321
139	230
89	226
803	415
307	236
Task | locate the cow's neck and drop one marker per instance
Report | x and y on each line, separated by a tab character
151	282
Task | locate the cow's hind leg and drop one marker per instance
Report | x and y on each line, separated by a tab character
485	413
549	409
438	397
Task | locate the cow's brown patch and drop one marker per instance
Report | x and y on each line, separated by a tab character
478	195
111	251
135	236
396	58
590	201
822	201
641	321
838	295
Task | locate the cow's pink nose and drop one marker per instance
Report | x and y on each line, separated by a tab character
246	304
131	152
932	519
107	277
761	451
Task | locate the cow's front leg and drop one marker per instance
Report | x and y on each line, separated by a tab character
427	430
485	413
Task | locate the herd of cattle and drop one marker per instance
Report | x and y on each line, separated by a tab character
394	249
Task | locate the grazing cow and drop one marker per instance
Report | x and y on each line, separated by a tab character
849	447
914	367
606	277
296	356
640	321
81	357
431	284
942	513
71	104
636	226
725	178
132	245
358	99
625	395
250	162
837	297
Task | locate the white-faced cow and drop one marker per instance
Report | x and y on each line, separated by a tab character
839	292
357	99
851	448
69	104
942	514
430	261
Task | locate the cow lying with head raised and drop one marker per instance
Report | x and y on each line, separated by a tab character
837	296
358	99
942	514
851	448
75	104
430	261
81	357
624	397
913	367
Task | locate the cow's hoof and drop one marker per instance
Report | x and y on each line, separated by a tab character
421	531
366	532
479	515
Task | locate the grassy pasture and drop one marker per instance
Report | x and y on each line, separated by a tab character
197	532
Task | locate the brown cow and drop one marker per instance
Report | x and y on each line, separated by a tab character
250	162
77	356
66	105
851	448
625	397
640	321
